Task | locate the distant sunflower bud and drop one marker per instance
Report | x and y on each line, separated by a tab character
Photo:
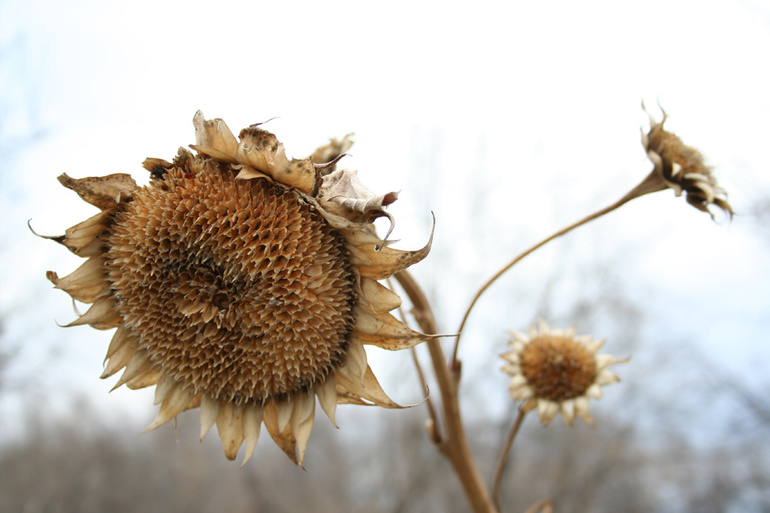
683	168
557	372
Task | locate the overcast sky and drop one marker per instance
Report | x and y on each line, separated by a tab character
507	119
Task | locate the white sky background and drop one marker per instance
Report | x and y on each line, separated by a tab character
508	120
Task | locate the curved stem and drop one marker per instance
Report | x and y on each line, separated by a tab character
652	183
504	456
541	506
433	427
454	444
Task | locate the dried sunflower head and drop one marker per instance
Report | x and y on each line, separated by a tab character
683	168
557	372
240	282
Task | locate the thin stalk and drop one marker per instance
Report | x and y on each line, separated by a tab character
454	444
504	457
541	506
652	183
434	432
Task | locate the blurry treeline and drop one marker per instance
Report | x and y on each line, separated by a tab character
86	464
674	436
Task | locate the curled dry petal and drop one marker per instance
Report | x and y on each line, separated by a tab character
257	148
327	156
343	193
104	192
214	138
683	168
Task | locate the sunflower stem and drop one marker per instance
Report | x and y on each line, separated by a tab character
454	445
433	428
504	457
541	506
434	432
654	182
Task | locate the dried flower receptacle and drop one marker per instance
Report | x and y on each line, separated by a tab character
557	372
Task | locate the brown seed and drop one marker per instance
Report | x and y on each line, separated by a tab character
243	294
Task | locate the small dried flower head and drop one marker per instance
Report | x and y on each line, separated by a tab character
240	282
683	168
557	372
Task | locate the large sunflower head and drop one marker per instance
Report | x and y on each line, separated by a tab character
557	372
240	282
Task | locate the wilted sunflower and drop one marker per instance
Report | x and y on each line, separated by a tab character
242	282
683	168
555	371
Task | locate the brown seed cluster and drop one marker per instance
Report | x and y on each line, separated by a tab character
238	289
556	368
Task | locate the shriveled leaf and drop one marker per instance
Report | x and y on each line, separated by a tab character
261	150
329	153
343	189
103	192
214	138
300	174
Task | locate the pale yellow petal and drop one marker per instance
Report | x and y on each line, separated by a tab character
252	422
122	336
177	401
302	419
146	379
606	377
84	284
355	364
594	392
605	360
568	411
378	298
165	386
327	397
368	388
581	408
102	315
284	439
385	331
209	413
230	429
546	410
120	357
285	409
137	365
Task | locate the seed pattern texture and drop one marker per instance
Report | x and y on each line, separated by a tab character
556	368
243	295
